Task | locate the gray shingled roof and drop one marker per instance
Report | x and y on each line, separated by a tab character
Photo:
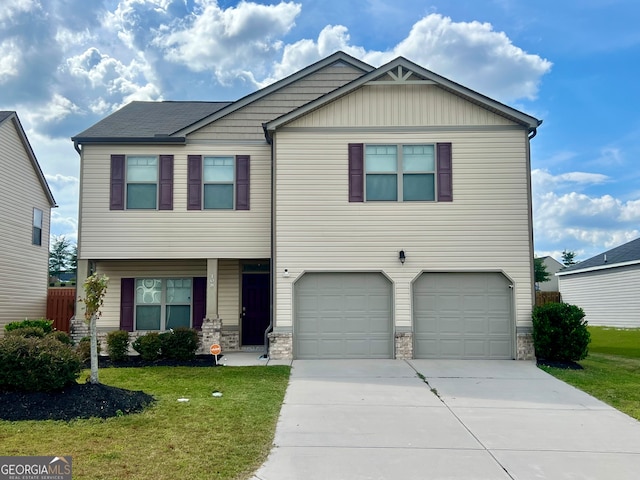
629	252
149	120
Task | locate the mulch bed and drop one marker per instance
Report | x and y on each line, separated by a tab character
85	400
567	365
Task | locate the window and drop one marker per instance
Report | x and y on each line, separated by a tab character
146	179
218	183
36	235
161	304
405	172
142	182
218	180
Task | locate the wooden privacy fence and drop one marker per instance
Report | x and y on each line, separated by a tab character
61	304
547	297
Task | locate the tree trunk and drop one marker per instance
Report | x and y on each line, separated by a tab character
94	351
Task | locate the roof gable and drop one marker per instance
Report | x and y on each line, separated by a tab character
404	72
626	254
8	116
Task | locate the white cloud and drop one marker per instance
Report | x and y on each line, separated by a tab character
229	41
9	59
10	8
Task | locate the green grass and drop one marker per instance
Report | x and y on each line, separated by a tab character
611	372
205	438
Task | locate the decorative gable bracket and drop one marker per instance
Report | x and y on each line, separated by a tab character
401	76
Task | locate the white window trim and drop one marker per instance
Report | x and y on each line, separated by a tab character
138	182
233	183
163	302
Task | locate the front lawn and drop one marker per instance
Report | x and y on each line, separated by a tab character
611	372
206	437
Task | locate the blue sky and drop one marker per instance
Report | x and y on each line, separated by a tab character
65	64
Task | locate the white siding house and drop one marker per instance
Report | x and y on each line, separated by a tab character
342	210
606	287
552	266
24	226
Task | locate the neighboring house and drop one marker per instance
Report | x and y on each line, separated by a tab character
606	287
24	226
352	211
553	266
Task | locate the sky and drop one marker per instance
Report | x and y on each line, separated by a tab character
66	64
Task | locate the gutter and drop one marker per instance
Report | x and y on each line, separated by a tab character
125	140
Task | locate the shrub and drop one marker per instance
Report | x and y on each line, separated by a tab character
148	346
61	337
83	349
44	324
560	332
118	345
179	344
26	332
37	364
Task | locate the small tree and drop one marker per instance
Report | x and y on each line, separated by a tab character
95	287
568	258
540	269
59	256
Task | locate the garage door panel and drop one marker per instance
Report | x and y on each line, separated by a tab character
462	315
350	318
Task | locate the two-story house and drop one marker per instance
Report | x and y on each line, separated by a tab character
349	211
24	226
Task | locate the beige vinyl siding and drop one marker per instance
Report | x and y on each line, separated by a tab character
178	233
110	318
229	292
608	297
246	123
402	105
485	228
24	266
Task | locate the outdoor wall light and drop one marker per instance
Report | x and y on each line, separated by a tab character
401	256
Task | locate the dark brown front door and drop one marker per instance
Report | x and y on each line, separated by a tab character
255	307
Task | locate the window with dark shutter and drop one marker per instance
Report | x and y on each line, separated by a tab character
116	199
356	172
242	182
194	182
166	182
127	303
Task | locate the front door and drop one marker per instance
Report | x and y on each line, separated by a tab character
255	307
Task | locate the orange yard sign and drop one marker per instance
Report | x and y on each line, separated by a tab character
215	349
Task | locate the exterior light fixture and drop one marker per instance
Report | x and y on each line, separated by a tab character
401	256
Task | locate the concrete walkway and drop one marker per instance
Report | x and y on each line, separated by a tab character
498	420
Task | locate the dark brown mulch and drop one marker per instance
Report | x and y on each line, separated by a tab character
567	365
85	400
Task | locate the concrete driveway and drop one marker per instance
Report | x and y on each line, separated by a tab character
435	419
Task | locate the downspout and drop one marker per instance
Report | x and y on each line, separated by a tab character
269	328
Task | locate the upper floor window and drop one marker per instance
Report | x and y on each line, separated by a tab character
400	173
36	235
219	182
142	182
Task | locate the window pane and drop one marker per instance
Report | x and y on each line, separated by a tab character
218	169
36	237
418	187
381	158
141	195
148	291
179	290
382	187
418	158
147	317
218	196
142	169
37	217
178	316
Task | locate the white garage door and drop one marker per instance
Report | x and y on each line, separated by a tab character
462	315
343	315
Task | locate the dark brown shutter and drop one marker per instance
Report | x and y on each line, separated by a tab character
116	199
445	181
199	301
356	172
194	182
166	182
127	303
242	182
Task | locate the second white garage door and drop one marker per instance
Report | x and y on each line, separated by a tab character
463	315
343	315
